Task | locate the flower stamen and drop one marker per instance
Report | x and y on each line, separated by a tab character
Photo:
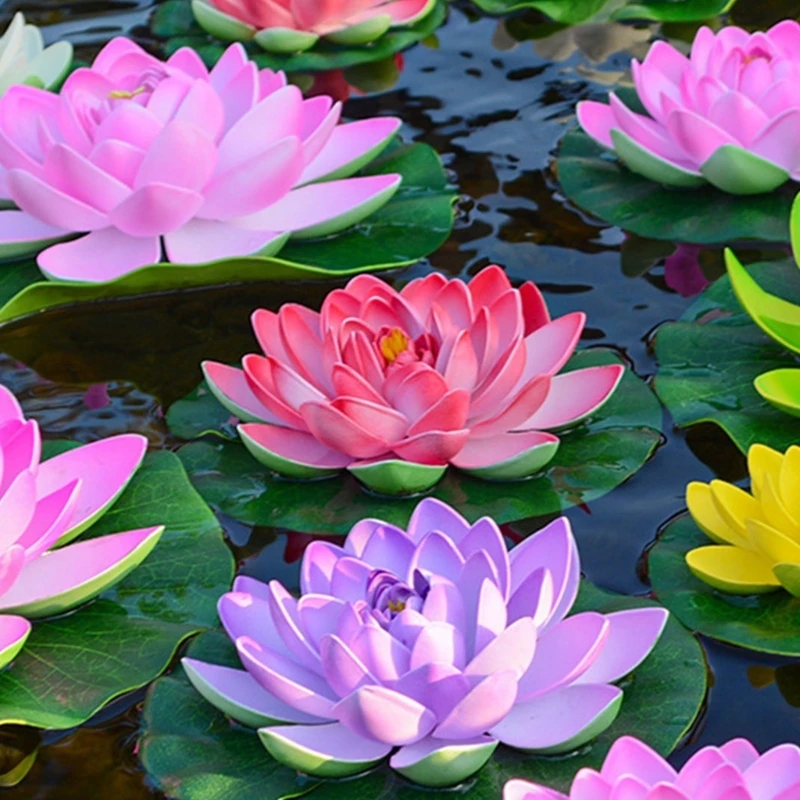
123	94
393	344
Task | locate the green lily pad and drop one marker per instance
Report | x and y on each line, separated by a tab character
594	458
192	752
594	179
417	221
710	358
74	664
769	623
174	21
574	11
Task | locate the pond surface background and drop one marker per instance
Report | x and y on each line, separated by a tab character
495	109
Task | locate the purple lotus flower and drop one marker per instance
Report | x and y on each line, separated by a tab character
431	645
136	156
632	771
728	114
46	505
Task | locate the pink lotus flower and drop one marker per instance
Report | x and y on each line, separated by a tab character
135	153
43	506
288	26
394	386
632	770
728	114
431	645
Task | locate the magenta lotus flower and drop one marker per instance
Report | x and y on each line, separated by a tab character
43	506
288	26
135	153
431	645
633	771
394	386
728	114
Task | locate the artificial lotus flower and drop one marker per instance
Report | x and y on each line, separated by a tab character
135	153
726	115
289	26
25	59
431	646
757	533
778	318
631	769
44	506
394	386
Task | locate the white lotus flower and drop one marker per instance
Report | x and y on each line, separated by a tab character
25	59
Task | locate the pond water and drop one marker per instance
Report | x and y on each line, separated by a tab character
495	109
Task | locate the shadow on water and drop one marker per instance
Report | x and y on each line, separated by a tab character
495	107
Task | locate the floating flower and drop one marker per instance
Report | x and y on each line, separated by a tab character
46	505
778	318
289	26
757	533
134	152
727	114
432	644
25	59
394	386
734	771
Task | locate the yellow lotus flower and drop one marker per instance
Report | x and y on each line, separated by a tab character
757	532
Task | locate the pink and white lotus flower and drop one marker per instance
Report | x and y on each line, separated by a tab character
289	26
135	154
727	115
44	505
430	646
394	386
632	770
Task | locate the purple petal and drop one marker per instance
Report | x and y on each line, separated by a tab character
434	515
384	715
436	555
552	547
439	687
388	548
631	637
444	603
533	598
319	560
512	650
481	709
440	643
564	653
288	681
343	669
384	655
485	535
555	718
287	620
319	615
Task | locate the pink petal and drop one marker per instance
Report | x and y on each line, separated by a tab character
597	119
629	756
497	448
575	395
99	256
21	451
379	420
296	446
119	159
776	143
776	771
63	570
51	520
447	413
156	209
735	113
202	240
432	447
258	374
322	203
339	432
13	633
105	467
527	402
698	137
550	347
203	108
12	561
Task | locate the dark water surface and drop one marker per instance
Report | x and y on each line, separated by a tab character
494	109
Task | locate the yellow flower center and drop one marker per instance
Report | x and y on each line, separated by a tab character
393	344
396	607
123	94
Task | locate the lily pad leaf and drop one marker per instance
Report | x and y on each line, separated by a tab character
73	665
574	11
174	21
769	623
192	752
594	179
412	225
593	459
710	358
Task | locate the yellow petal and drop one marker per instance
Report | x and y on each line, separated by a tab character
762	461
735	506
789	482
705	514
773	544
775	512
732	569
